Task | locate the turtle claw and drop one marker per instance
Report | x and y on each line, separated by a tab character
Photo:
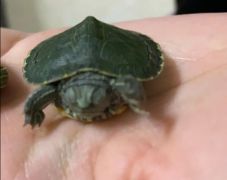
34	119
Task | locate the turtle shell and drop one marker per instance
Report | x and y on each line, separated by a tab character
93	46
3	76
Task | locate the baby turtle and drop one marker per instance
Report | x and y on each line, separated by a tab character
3	76
90	72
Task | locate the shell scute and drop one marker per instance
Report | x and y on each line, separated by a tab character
94	46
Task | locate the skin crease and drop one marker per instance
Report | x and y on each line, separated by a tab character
183	138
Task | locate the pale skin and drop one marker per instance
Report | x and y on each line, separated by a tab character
184	137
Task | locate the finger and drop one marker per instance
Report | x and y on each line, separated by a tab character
10	37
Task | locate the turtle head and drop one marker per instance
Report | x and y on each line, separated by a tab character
85	98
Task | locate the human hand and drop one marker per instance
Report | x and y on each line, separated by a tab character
183	139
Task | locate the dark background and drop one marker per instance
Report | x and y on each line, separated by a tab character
3	18
200	6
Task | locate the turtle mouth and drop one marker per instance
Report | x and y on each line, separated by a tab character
88	114
91	111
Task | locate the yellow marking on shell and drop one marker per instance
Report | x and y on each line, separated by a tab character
25	61
63	113
45	82
119	110
25	64
66	75
163	59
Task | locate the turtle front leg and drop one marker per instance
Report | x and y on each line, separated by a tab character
37	101
131	91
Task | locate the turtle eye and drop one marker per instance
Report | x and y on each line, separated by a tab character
98	95
69	96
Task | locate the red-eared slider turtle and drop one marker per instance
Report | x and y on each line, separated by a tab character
91	71
3	77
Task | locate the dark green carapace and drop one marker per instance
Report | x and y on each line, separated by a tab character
3	77
90	71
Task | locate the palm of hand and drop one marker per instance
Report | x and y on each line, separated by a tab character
183	138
